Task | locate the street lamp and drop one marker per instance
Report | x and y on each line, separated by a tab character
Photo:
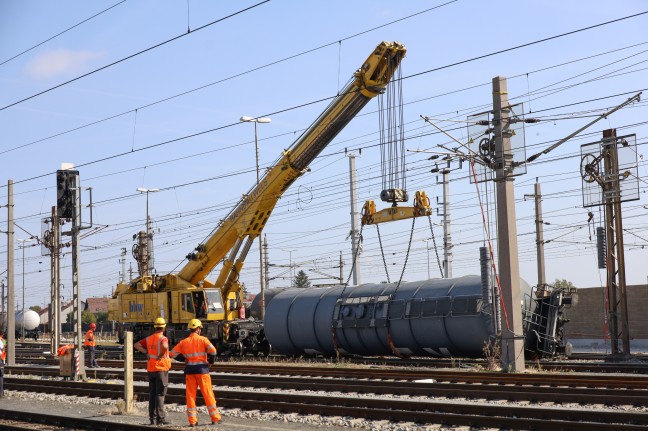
23	241
149	242
257	120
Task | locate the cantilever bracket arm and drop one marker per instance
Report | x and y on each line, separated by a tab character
635	98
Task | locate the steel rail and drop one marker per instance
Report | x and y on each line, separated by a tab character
450	376
560	395
65	422
428	411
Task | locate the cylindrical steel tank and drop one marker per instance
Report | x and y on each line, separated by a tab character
439	317
255	307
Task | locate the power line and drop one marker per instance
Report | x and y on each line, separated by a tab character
220	81
132	55
64	31
524	45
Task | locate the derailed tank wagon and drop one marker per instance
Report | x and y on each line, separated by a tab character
440	318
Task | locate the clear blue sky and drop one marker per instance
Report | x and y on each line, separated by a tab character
268	61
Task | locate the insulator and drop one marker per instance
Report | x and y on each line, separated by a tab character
600	247
484	264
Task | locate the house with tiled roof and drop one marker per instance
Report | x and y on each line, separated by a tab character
96	305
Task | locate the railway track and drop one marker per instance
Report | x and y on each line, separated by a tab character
384	373
420	411
620	391
582	362
461	402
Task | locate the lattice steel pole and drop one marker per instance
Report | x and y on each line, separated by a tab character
616	282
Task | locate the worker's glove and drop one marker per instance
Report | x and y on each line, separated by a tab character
211	359
180	358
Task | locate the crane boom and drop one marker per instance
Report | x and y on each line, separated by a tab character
251	213
220	305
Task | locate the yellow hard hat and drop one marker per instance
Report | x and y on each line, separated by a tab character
159	322
195	323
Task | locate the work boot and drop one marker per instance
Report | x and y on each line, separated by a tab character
163	422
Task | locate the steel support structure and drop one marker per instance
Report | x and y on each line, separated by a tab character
76	289
11	301
355	219
54	245
617	306
542	279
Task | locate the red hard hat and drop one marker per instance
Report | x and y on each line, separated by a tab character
93	326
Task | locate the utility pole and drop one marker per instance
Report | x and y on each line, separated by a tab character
602	166
68	207
266	262
52	242
512	335
11	301
539	225
256	120
447	237
446	270
341	269
141	254
616	281
542	280
150	260
122	275
76	288
355	217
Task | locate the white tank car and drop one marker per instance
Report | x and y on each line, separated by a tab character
30	322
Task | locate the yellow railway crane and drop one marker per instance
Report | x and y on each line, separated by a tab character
188	294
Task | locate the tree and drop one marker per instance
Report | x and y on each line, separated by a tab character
563	284
301	280
86	317
36	308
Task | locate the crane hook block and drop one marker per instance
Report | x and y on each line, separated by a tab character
394	196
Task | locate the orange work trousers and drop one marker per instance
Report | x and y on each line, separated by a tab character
202	381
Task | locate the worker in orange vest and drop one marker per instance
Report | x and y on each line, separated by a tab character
90	344
197	352
156	348
3	359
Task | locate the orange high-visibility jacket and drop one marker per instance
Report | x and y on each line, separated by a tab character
195	349
3	356
157	360
89	338
63	349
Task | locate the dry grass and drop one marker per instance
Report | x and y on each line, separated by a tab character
493	354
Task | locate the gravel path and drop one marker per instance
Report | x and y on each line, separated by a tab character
233	419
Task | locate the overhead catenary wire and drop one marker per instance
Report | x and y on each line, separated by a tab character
62	32
293	56
92	72
220	81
